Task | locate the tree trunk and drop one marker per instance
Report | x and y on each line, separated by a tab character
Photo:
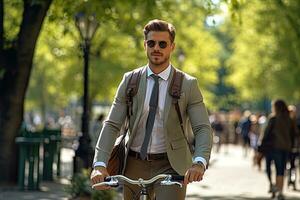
13	84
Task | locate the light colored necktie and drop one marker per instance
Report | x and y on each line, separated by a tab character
151	116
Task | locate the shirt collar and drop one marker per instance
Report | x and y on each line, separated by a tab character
164	74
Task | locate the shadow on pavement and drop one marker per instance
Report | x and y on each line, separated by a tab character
48	191
198	197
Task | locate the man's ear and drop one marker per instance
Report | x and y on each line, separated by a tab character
173	46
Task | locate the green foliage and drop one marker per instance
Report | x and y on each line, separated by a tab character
266	59
12	20
265	62
81	187
117	47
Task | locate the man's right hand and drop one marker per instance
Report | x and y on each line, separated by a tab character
97	176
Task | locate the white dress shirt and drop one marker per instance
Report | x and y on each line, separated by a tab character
157	139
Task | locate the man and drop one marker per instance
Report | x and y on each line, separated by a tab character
167	142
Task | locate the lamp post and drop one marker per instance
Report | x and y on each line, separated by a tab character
87	26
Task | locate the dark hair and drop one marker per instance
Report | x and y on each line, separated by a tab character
160	25
280	108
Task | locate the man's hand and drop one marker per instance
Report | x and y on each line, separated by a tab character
97	176
195	173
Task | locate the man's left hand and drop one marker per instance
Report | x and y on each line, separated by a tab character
195	173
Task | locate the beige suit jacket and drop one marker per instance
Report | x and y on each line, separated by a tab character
192	109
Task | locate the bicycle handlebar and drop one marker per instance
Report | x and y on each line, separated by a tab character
113	181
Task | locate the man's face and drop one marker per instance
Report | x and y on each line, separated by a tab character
158	47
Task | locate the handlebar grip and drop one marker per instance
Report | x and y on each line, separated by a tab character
177	178
107	179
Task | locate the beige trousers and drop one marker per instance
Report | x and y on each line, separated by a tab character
137	168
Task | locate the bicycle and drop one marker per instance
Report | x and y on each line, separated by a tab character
166	179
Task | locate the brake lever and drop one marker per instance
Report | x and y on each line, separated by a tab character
112	183
168	182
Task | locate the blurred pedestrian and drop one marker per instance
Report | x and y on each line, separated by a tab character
262	124
218	128
254	131
254	136
244	129
276	144
294	154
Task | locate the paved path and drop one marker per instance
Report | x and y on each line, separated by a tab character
49	191
230	177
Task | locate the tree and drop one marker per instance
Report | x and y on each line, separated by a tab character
266	58
16	64
225	94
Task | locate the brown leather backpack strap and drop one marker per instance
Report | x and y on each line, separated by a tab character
175	91
132	89
176	83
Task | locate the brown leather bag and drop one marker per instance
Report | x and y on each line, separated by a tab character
116	161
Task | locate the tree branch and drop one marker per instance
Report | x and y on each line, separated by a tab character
32	20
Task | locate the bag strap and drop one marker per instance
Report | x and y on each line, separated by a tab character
174	91
131	91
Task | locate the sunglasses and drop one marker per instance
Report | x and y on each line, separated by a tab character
161	44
